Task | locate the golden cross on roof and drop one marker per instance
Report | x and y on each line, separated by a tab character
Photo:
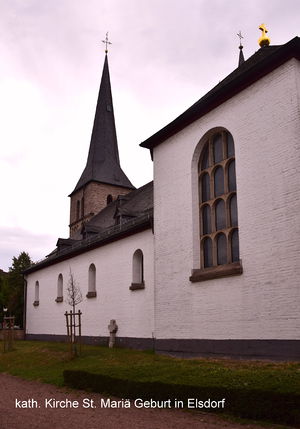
239	34
264	40
106	42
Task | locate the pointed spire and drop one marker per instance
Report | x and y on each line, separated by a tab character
241	56
103	164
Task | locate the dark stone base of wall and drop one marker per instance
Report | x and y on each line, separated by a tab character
124	342
237	349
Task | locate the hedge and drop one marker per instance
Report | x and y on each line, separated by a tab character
271	406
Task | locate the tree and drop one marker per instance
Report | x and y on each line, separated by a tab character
74	297
13	287
4	292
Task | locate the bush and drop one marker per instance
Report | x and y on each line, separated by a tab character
273	406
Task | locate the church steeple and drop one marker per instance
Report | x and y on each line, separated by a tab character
103	164
102	176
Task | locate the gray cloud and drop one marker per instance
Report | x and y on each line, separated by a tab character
16	240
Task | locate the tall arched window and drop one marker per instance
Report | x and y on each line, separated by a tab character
219	241
60	282
82	207
92	282
36	294
137	270
77	210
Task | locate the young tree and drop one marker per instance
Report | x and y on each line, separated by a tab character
74	297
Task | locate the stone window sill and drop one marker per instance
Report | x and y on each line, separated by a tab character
232	269
137	286
91	294
36	303
59	299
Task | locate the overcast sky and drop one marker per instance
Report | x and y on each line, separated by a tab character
165	55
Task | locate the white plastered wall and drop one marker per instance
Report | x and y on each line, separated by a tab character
263	302
133	310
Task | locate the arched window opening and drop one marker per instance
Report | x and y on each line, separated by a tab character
77	210
36	294
233	211
205	159
218	208
137	270
109	199
221	249
235	252
231	177
207	253
220	215
219	181
230	146
59	289
206	220
82	207
92	293
205	187
218	148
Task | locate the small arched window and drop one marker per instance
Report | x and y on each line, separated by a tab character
109	199
36	294
82	207
137	270
77	210
60	282
92	282
219	241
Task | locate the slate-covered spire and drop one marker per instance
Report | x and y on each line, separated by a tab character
103	164
241	56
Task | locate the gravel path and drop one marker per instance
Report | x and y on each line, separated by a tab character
12	388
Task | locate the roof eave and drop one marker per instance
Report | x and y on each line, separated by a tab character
142	224
227	91
106	183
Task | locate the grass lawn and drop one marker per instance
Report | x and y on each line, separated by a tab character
46	362
257	390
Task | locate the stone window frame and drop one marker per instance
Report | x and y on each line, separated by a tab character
36	302
137	271
60	285
231	267
92	293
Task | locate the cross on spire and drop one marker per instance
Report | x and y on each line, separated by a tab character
239	34
241	56
106	42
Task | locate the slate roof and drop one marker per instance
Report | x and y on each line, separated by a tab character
132	205
127	215
258	65
103	164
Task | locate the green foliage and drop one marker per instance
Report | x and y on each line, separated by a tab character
12	288
4	292
257	390
244	403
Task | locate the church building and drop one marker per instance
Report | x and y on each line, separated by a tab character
204	260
